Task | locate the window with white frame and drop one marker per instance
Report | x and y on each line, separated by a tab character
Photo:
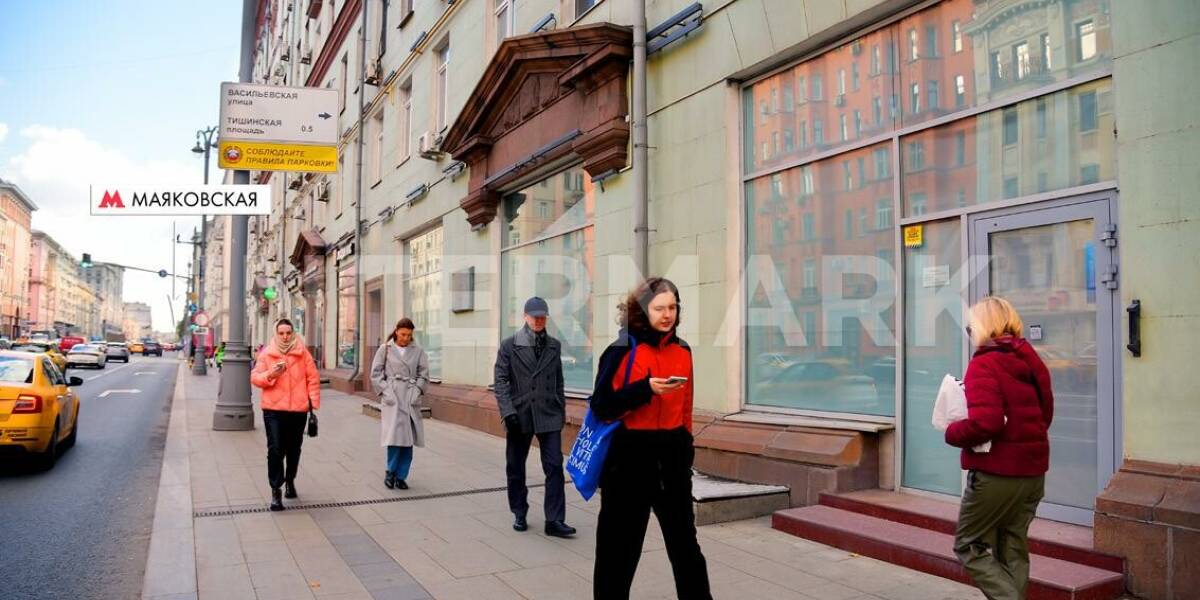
377	146
404	148
443	83
505	19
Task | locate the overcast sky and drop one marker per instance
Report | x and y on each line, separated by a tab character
112	91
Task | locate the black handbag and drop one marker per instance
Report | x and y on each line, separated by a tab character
312	420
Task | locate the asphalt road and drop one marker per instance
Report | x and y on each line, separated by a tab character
82	529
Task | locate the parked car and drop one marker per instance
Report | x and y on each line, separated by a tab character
117	351
136	348
39	413
69	341
831	378
154	348
56	356
5	343
90	355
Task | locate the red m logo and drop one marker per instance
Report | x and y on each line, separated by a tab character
111	200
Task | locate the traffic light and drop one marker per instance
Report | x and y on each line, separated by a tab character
87	261
269	293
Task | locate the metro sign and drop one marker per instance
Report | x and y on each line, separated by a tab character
111	200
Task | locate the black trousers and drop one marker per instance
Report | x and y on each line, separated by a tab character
515	452
285	433
648	471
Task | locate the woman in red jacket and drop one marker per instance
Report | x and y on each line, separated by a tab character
291	387
649	462
1010	404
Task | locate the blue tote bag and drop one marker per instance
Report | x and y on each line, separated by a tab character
591	445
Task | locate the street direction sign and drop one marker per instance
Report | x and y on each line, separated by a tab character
286	115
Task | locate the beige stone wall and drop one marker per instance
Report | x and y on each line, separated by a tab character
1159	136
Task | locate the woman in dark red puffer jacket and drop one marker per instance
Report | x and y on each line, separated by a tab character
1010	404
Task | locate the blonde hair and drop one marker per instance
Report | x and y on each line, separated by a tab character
993	317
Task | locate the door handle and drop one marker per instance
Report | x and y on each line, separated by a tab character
1135	327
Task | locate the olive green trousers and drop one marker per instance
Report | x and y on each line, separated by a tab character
992	538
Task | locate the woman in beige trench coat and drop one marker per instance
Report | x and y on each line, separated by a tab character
399	374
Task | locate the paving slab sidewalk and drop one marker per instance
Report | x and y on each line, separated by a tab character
448	537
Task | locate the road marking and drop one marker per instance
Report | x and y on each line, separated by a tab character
105	393
108	372
146	373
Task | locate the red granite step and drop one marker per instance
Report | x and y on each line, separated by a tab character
1049	538
932	552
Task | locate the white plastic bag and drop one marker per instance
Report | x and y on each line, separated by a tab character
951	406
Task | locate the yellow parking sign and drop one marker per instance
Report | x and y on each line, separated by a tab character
267	156
914	236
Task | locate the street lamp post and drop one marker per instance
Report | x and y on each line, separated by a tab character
234	411
204	143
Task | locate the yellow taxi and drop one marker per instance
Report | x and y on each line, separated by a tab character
50	349
39	413
136	348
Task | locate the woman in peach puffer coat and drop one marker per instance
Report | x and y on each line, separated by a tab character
287	374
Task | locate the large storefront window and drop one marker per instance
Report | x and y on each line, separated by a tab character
1048	143
823	156
821	286
549	252
836	99
347	317
423	294
978	51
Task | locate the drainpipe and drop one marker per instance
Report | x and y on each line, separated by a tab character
358	193
641	171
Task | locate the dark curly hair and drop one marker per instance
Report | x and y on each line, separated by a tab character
632	312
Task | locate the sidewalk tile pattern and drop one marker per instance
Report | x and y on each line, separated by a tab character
454	547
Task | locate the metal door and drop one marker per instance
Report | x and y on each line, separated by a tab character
1057	265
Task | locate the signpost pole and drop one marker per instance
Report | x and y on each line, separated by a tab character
234	412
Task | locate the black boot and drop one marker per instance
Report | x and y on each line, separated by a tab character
389	480
401	484
276	499
289	490
559	529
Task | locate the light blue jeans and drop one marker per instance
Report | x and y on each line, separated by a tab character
399	459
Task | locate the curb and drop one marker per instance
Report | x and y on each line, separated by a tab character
171	561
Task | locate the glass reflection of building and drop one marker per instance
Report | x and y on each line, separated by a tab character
548	251
828	141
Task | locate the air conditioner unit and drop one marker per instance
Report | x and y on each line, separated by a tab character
427	144
306	59
374	72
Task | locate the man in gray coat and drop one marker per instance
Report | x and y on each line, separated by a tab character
529	392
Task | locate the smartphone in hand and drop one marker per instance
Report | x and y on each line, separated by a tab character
674	379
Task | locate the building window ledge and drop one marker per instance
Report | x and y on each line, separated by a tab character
848	424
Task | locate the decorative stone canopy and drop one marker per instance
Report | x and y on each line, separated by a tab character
545	99
308	243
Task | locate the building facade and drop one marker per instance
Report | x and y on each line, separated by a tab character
107	282
61	299
16	214
137	323
831	185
